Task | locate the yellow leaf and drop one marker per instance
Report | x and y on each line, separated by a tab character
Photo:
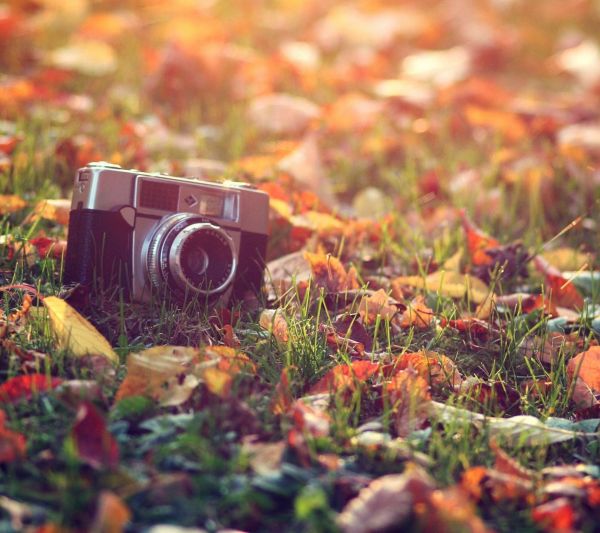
217	381
451	284
10	203
75	333
566	258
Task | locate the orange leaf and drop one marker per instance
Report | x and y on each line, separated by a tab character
345	377
10	203
112	515
409	397
508	124
586	366
477	241
560	290
435	368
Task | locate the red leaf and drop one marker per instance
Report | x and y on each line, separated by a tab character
95	445
556	515
24	387
12	444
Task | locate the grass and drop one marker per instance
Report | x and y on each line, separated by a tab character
190	464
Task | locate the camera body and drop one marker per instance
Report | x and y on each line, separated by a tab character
153	235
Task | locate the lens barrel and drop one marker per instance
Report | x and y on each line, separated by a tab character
189	254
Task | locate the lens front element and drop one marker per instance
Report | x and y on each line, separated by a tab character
189	254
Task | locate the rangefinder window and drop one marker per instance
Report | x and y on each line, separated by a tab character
158	195
211	205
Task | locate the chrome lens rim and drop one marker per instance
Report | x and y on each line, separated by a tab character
177	250
163	259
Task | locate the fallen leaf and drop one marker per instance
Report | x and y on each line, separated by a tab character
26	386
417	314
451	284
345	376
409	398
565	258
586	366
112	514
522	429
555	516
273	321
283	399
11	203
376	305
93	442
477	241
329	273
282	114
435	368
86	56
56	210
12	444
74	333
387	502
384	503
441	68
264	457
561	291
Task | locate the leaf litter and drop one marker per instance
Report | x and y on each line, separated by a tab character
426	354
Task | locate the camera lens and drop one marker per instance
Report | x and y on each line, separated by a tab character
189	254
204	257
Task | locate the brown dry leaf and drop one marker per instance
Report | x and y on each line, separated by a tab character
149	370
409	398
11	203
264	457
435	368
451	284
282	114
273	321
384	503
417	314
387	502
74	332
375	306
329	273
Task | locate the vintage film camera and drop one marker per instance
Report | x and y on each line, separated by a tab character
157	236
